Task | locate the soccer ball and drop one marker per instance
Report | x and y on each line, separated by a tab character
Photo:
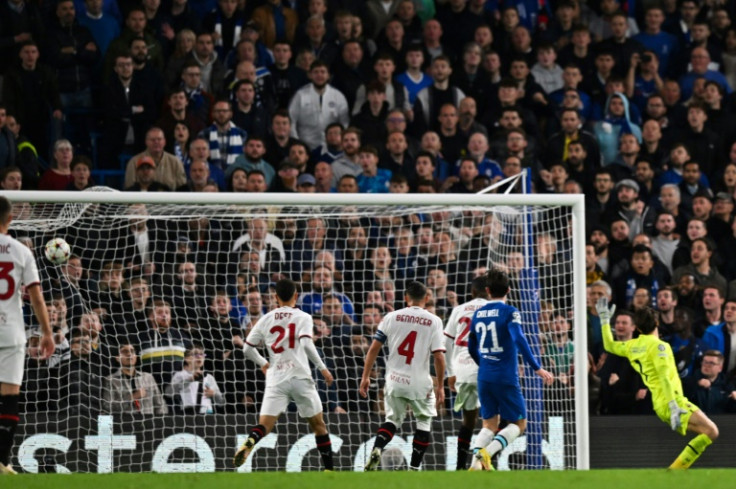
57	251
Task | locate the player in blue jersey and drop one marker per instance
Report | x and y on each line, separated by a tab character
494	342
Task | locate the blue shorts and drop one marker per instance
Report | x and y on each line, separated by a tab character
502	399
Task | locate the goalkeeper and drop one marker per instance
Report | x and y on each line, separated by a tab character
654	361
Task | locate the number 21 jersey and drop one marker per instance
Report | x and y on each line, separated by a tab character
411	334
281	331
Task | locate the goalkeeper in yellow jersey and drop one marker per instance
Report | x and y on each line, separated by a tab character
653	359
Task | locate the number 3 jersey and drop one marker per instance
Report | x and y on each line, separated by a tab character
495	341
411	334
460	364
17	267
280	331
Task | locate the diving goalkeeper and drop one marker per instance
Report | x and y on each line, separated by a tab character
653	359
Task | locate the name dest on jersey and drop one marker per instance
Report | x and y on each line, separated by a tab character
282	315
492	313
404	318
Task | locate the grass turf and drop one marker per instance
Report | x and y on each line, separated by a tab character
599	479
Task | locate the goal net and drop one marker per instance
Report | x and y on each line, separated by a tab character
159	285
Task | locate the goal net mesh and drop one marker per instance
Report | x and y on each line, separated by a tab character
214	266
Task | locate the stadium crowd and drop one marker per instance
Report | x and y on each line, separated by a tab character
625	102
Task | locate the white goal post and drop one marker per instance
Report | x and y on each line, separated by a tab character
70	422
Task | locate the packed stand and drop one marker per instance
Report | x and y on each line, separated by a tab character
627	103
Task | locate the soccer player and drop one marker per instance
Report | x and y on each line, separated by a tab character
17	268
412	333
494	341
654	361
287	334
462	372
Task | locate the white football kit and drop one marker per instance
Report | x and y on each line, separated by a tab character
17	268
459	362
286	333
412	335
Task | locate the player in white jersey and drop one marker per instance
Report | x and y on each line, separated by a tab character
286	332
462	371
412	334
17	269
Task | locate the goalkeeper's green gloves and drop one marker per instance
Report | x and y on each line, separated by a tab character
605	313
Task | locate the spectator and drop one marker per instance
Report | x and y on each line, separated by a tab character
252	159
102	19
169	170
426	107
642	273
701	251
129	112
129	390
333	105
194	391
622	391
162	347
145	177
247	115
60	175
719	335
71	50
372	179
662	43
286	77
227	22
628	207
79	384
414	79
709	311
19	22
225	138
30	92
81	171
135	26
709	387
666	240
616	123
371	116
322	284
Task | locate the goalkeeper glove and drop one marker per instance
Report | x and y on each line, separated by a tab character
675	412
604	312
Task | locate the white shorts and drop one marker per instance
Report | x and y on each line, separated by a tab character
424	409
12	359
302	391
467	396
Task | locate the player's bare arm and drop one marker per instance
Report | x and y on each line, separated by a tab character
42	314
370	359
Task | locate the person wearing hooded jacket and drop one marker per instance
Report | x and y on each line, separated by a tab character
615	123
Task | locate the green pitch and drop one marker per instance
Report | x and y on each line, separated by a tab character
599	479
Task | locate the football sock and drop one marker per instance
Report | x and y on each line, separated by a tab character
8	422
257	432
692	452
384	435
324	445
419	446
484	438
503	438
463	447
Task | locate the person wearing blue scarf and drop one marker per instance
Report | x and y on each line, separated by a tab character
616	122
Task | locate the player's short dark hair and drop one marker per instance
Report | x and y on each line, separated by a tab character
497	283
645	320
478	286
5	210
285	289
416	290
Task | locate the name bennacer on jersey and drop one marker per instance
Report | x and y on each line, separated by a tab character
403	318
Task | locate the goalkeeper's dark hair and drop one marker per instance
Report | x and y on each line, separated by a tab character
478	287
6	208
416	290
285	289
497	283
645	320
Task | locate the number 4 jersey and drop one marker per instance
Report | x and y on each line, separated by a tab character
280	331
17	267
460	364
495	341
411	334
